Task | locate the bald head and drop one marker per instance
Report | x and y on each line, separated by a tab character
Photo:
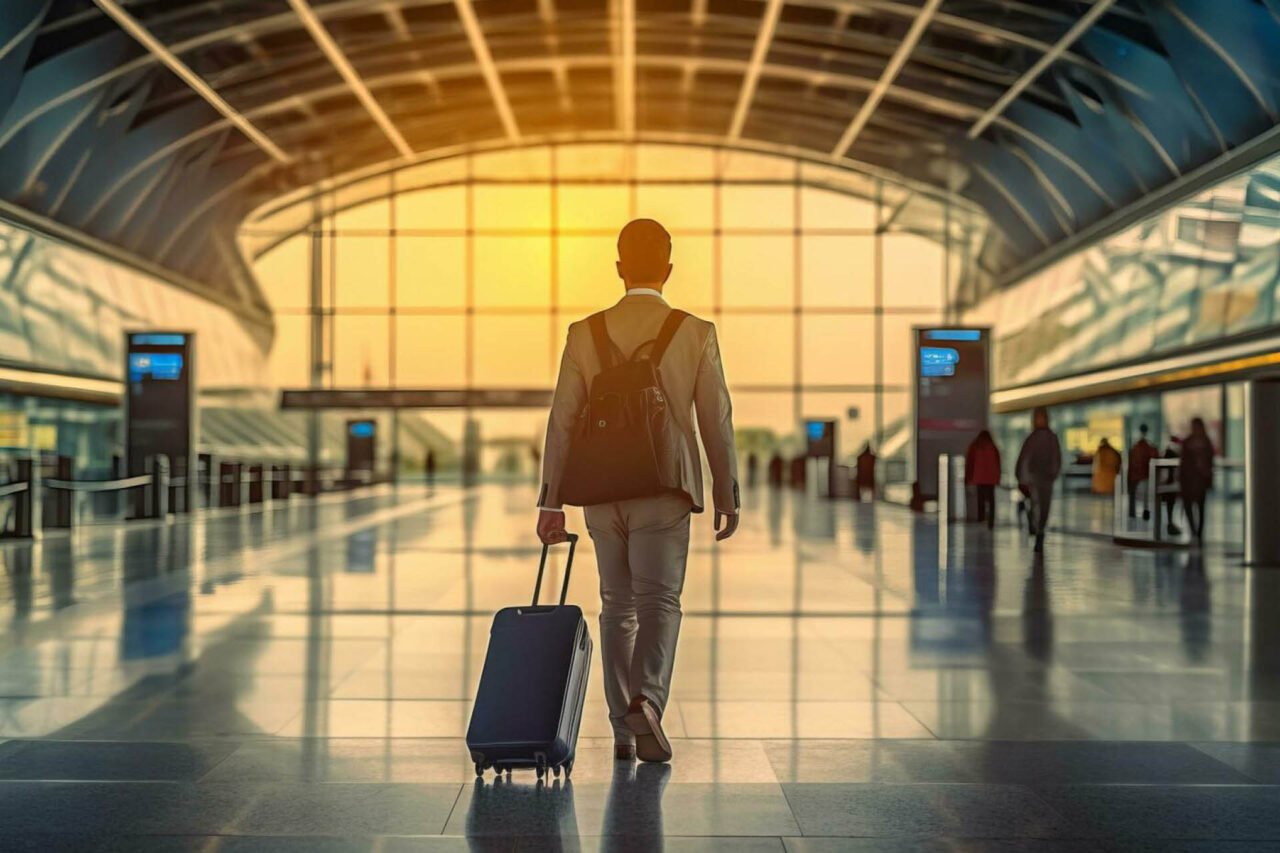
644	254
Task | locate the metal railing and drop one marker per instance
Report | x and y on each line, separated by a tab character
44	495
1157	501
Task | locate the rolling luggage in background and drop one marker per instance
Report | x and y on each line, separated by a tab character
529	705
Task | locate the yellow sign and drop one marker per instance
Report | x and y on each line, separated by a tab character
13	429
45	437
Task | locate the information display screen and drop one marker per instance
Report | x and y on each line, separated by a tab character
952	388
160	400
362	437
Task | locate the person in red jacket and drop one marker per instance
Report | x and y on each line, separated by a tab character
982	471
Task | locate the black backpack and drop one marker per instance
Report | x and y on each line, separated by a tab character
625	444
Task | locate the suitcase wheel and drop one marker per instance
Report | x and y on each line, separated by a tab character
556	770
541	767
479	769
568	768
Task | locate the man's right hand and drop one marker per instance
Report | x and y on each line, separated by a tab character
551	527
730	522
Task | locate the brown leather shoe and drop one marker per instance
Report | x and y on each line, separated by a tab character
624	752
651	741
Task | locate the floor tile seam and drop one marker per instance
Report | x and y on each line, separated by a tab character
457	799
919	722
1247	774
1253	786
239	745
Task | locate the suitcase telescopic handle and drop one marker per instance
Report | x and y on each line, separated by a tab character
542	565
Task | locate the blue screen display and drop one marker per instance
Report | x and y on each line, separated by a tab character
953	335
159	340
938	361
815	430
166	366
362	429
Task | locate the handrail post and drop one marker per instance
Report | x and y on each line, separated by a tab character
160	486
62	498
1154	502
24	501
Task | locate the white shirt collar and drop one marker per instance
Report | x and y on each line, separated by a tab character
645	291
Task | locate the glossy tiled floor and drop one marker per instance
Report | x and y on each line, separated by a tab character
298	680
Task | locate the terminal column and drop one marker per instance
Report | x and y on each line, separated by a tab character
1262	472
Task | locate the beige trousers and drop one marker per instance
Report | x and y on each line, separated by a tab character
642	547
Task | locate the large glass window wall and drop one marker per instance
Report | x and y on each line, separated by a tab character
467	272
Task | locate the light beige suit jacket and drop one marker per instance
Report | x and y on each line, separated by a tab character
693	379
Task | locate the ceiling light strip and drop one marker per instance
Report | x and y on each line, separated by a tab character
201	88
764	40
480	47
1052	55
891	71
348	72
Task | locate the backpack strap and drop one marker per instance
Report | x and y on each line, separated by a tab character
669	328
600	335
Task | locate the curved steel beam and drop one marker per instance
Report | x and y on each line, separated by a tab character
537	63
304	197
284	21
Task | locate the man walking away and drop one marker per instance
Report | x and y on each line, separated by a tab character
642	543
1140	456
1038	467
982	471
1195	476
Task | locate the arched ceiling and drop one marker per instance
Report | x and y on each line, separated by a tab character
156	125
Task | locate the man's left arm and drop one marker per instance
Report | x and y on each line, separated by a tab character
715	423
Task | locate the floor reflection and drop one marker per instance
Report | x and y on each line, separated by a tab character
844	671
511	806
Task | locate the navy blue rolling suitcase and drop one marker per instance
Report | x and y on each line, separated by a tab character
529	705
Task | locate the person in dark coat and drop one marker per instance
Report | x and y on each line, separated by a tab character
776	467
1195	475
1140	456
1039	464
865	478
982	471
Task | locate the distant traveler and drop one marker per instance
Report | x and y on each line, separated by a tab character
1039	464
641	543
1195	475
982	471
1106	467
1140	456
865	476
429	466
776	468
753	466
798	473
